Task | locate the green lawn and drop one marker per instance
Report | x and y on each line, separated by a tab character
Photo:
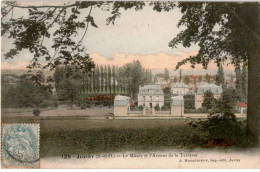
79	135
64	135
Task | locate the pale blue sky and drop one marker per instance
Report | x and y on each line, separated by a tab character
135	32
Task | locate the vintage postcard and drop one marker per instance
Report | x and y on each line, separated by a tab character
130	84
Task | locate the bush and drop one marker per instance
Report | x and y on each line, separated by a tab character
141	107
223	129
83	105
55	104
200	110
36	112
165	108
157	108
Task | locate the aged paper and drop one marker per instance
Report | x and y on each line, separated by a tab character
130	84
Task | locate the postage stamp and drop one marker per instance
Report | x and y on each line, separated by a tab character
20	145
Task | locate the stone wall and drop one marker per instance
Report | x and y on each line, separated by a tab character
177	111
120	110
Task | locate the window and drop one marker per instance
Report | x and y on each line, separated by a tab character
151	98
144	98
157	98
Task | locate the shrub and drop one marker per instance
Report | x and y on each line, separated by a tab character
55	104
83	105
165	108
36	112
157	108
221	128
140	107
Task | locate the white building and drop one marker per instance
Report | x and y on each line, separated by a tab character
150	96
180	89
121	105
201	89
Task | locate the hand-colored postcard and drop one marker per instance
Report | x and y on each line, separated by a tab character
130	84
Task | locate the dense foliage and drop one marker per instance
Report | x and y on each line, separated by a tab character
25	93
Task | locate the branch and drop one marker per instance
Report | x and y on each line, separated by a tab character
85	29
56	18
7	12
43	6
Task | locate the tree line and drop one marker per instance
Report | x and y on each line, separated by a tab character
125	80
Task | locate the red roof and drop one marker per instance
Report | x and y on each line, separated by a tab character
241	104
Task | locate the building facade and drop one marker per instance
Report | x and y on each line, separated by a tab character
121	105
201	89
179	89
150	96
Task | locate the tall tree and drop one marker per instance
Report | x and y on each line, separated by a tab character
166	74
180	75
94	84
106	78
175	79
135	76
97	79
114	78
207	77
220	78
101	78
186	79
109	74
209	101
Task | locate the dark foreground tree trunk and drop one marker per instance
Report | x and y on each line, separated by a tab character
253	113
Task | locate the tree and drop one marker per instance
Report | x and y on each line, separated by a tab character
106	78
114	78
220	79
134	75
189	101
166	74
236	39
167	96
187	79
68	83
175	79
94	81
180	75
200	78
207	78
228	99
97	79
33	95
102	78
109	74
209	101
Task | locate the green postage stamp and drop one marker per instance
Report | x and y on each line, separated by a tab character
20	145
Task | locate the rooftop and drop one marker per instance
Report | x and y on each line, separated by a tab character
241	104
215	89
179	85
151	90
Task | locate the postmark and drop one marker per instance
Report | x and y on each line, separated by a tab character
20	145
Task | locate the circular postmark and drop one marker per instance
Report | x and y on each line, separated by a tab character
20	144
